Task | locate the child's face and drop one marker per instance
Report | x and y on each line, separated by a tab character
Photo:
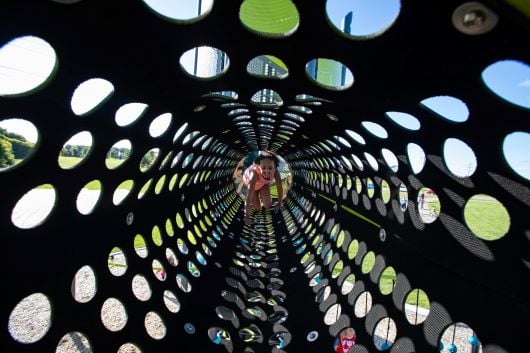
267	168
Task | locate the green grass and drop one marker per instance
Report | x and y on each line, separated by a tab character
113	163
486	217
420	297
68	162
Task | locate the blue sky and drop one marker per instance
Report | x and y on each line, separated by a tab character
26	63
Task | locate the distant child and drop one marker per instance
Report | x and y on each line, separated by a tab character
346	340
257	179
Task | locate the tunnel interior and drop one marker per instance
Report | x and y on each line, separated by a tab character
403	128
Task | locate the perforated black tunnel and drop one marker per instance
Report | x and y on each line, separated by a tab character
403	128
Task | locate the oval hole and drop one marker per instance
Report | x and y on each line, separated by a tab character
18	139
204	62
27	63
515	148
509	79
89	95
459	158
329	74
75	150
486	217
362	19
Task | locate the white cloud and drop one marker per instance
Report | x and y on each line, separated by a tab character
525	83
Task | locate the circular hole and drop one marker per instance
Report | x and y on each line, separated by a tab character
140	246
34	311
385	191
275	18
192	268
368	262
113	315
459	337
363	304
447	107
508	79
372	162
84	285
356	137
149	159
154	325
156	236
184	11
403	197
375	129
73	341
387	280
158	270
337	269
32	209
416	157
179	132
117	262
404	120
88	197
118	154
18	139
204	62
266	98
75	150
370	187
515	148
129	113
353	248
129	348
486	217
417	306
171	301
27	63
160	124
141	288
218	335
89	95
362	19
332	314
385	333
329	74
267	66
390	159
316	279
183	283
459	158
429	206
348	284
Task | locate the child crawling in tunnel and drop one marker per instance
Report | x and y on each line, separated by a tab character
257	178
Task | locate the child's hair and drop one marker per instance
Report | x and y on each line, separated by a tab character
267	155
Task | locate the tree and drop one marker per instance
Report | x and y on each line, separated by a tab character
21	149
7	159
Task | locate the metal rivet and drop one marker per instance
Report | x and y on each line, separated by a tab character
474	18
129	219
382	234
312	336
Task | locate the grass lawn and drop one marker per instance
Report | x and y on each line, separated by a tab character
486	217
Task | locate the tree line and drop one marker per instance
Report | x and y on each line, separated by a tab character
15	147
